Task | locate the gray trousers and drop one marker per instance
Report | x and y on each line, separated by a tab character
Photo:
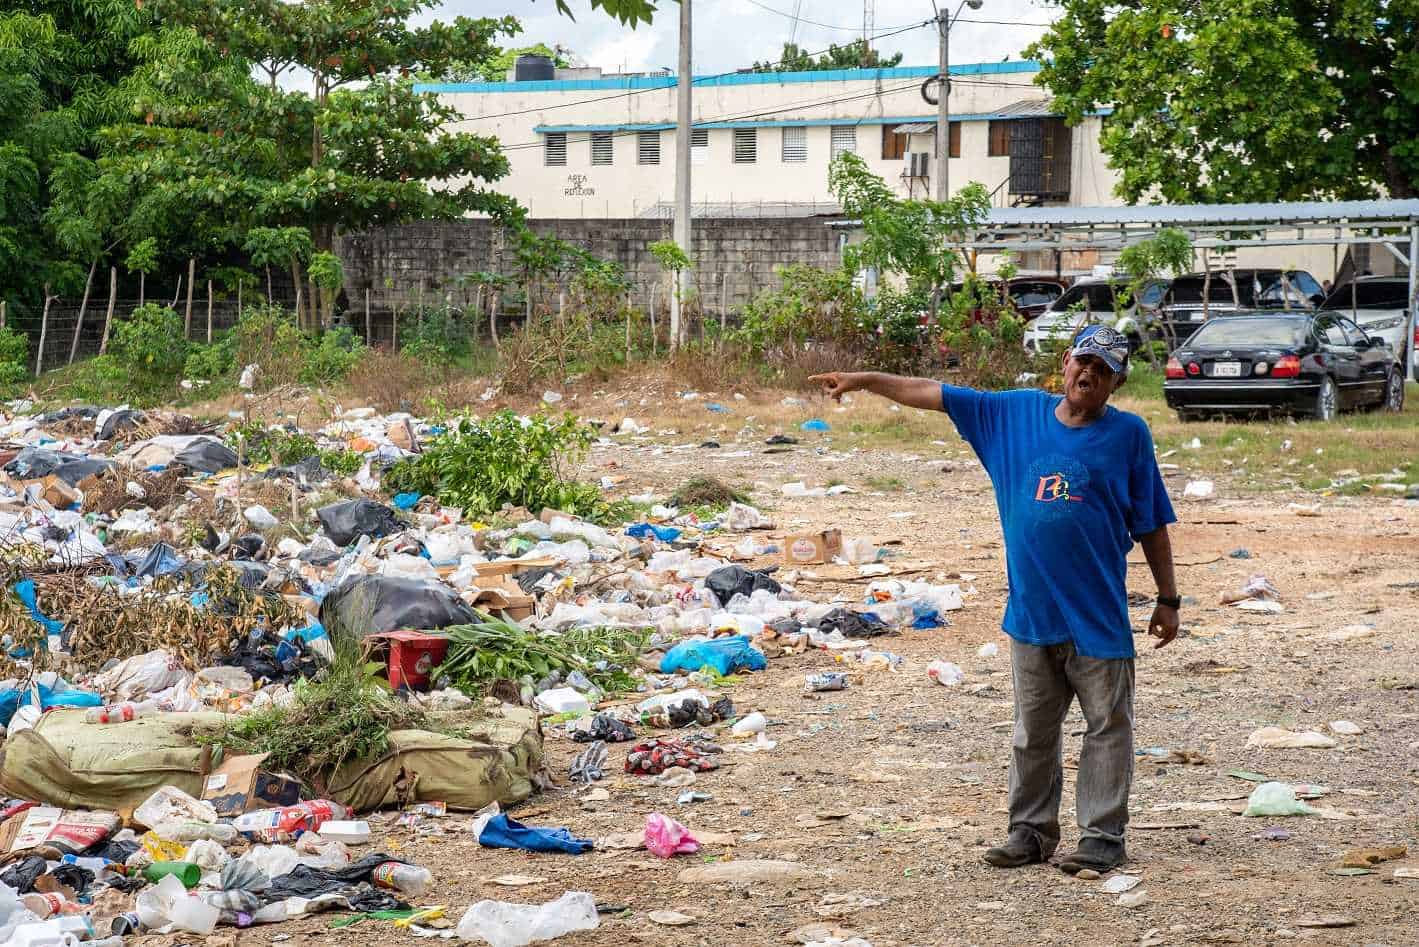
1047	679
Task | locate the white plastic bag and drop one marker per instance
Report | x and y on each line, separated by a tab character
1275	799
275	860
170	804
517	925
168	902
945	673
136	677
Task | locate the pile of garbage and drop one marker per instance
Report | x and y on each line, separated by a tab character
162	595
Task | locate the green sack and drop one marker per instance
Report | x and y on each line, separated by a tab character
63	761
501	762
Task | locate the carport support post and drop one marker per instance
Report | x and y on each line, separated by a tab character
1408	342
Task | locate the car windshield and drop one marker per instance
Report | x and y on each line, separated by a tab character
1034	294
1188	290
1376	294
1250	332
1093	297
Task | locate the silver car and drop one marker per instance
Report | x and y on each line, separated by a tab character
1380	306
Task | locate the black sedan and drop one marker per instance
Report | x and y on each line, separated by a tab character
1313	363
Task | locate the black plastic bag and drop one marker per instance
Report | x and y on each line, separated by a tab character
32	463
310	470
206	455
851	624
91	412
125	419
353	882
347	521
728	581
377	603
22	874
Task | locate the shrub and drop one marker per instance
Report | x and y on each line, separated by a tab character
211	362
435	336
812	304
13	373
331	358
480	465
268	336
14	346
149	349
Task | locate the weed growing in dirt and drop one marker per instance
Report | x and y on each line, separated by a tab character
483	464
708	492
492	650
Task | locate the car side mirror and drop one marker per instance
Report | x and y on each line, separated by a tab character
1364	342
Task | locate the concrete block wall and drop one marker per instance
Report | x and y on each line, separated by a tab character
734	257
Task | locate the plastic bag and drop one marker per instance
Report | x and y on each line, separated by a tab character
666	838
205	455
347	521
136	677
1275	799
724	655
517	925
728	581
171	804
945	673
318	852
376	603
207	855
168	902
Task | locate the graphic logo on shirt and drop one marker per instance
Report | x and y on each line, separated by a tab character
1056	483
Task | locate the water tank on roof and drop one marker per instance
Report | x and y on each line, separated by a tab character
530	67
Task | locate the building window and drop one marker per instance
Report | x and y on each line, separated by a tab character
795	144
699	145
746	145
894	144
600	147
647	148
554	149
999	146
954	139
844	139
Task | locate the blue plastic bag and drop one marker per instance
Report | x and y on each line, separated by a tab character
666	534
12	699
723	655
406	501
817	424
29	597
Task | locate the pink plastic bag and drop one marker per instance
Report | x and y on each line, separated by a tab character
667	838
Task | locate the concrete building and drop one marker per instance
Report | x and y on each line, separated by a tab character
589	145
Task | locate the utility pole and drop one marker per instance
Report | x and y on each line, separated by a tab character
682	173
943	105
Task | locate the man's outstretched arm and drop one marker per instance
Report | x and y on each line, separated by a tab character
912	392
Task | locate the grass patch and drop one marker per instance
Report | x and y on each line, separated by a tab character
709	493
885	484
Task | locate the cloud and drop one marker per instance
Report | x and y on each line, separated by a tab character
733	34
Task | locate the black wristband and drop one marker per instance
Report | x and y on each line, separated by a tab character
1172	601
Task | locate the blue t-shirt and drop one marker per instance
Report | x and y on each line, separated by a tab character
1072	502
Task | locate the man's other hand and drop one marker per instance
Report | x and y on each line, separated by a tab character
1164	625
835	384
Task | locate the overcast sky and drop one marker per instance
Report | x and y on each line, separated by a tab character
731	34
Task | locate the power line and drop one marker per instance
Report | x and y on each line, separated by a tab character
961	19
627	93
804	19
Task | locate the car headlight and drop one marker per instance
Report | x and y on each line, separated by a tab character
1383	324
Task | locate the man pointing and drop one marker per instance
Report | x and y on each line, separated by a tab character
1077	484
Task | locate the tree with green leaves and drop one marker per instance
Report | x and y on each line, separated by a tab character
855	55
1251	100
496	68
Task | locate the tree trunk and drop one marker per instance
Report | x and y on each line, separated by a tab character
191	278
268	285
142	288
83	307
43	331
209	312
112	298
493	297
238	312
3	304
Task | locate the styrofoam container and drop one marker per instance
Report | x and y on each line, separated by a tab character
350	832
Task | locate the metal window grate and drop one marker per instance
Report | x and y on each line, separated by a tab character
554	149
795	144
648	148
601	147
746	145
844	139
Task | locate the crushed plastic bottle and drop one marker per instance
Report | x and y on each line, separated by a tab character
517	925
412	880
118	713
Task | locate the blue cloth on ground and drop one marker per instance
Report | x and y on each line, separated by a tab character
502	832
1073	500
724	655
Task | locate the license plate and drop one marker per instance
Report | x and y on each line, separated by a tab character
1226	369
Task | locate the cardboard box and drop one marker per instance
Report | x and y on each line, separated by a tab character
501	593
801	549
240	785
410	656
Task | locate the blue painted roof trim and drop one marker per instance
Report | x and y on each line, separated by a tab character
733	78
786	122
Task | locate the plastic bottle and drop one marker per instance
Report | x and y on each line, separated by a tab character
186	872
278	826
118	713
412	880
97	865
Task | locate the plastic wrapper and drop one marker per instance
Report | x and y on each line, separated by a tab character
348	520
382	603
170	804
666	838
516	925
136	677
1275	800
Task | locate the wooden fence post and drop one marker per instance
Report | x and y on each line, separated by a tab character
112	298
83	307
43	331
369	333
191	277
209	312
2	313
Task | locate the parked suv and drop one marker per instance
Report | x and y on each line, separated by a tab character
1379	305
1095	300
1182	310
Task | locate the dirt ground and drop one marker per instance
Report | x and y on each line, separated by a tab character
891	790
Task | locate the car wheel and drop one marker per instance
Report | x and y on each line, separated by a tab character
1327	401
1394	392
